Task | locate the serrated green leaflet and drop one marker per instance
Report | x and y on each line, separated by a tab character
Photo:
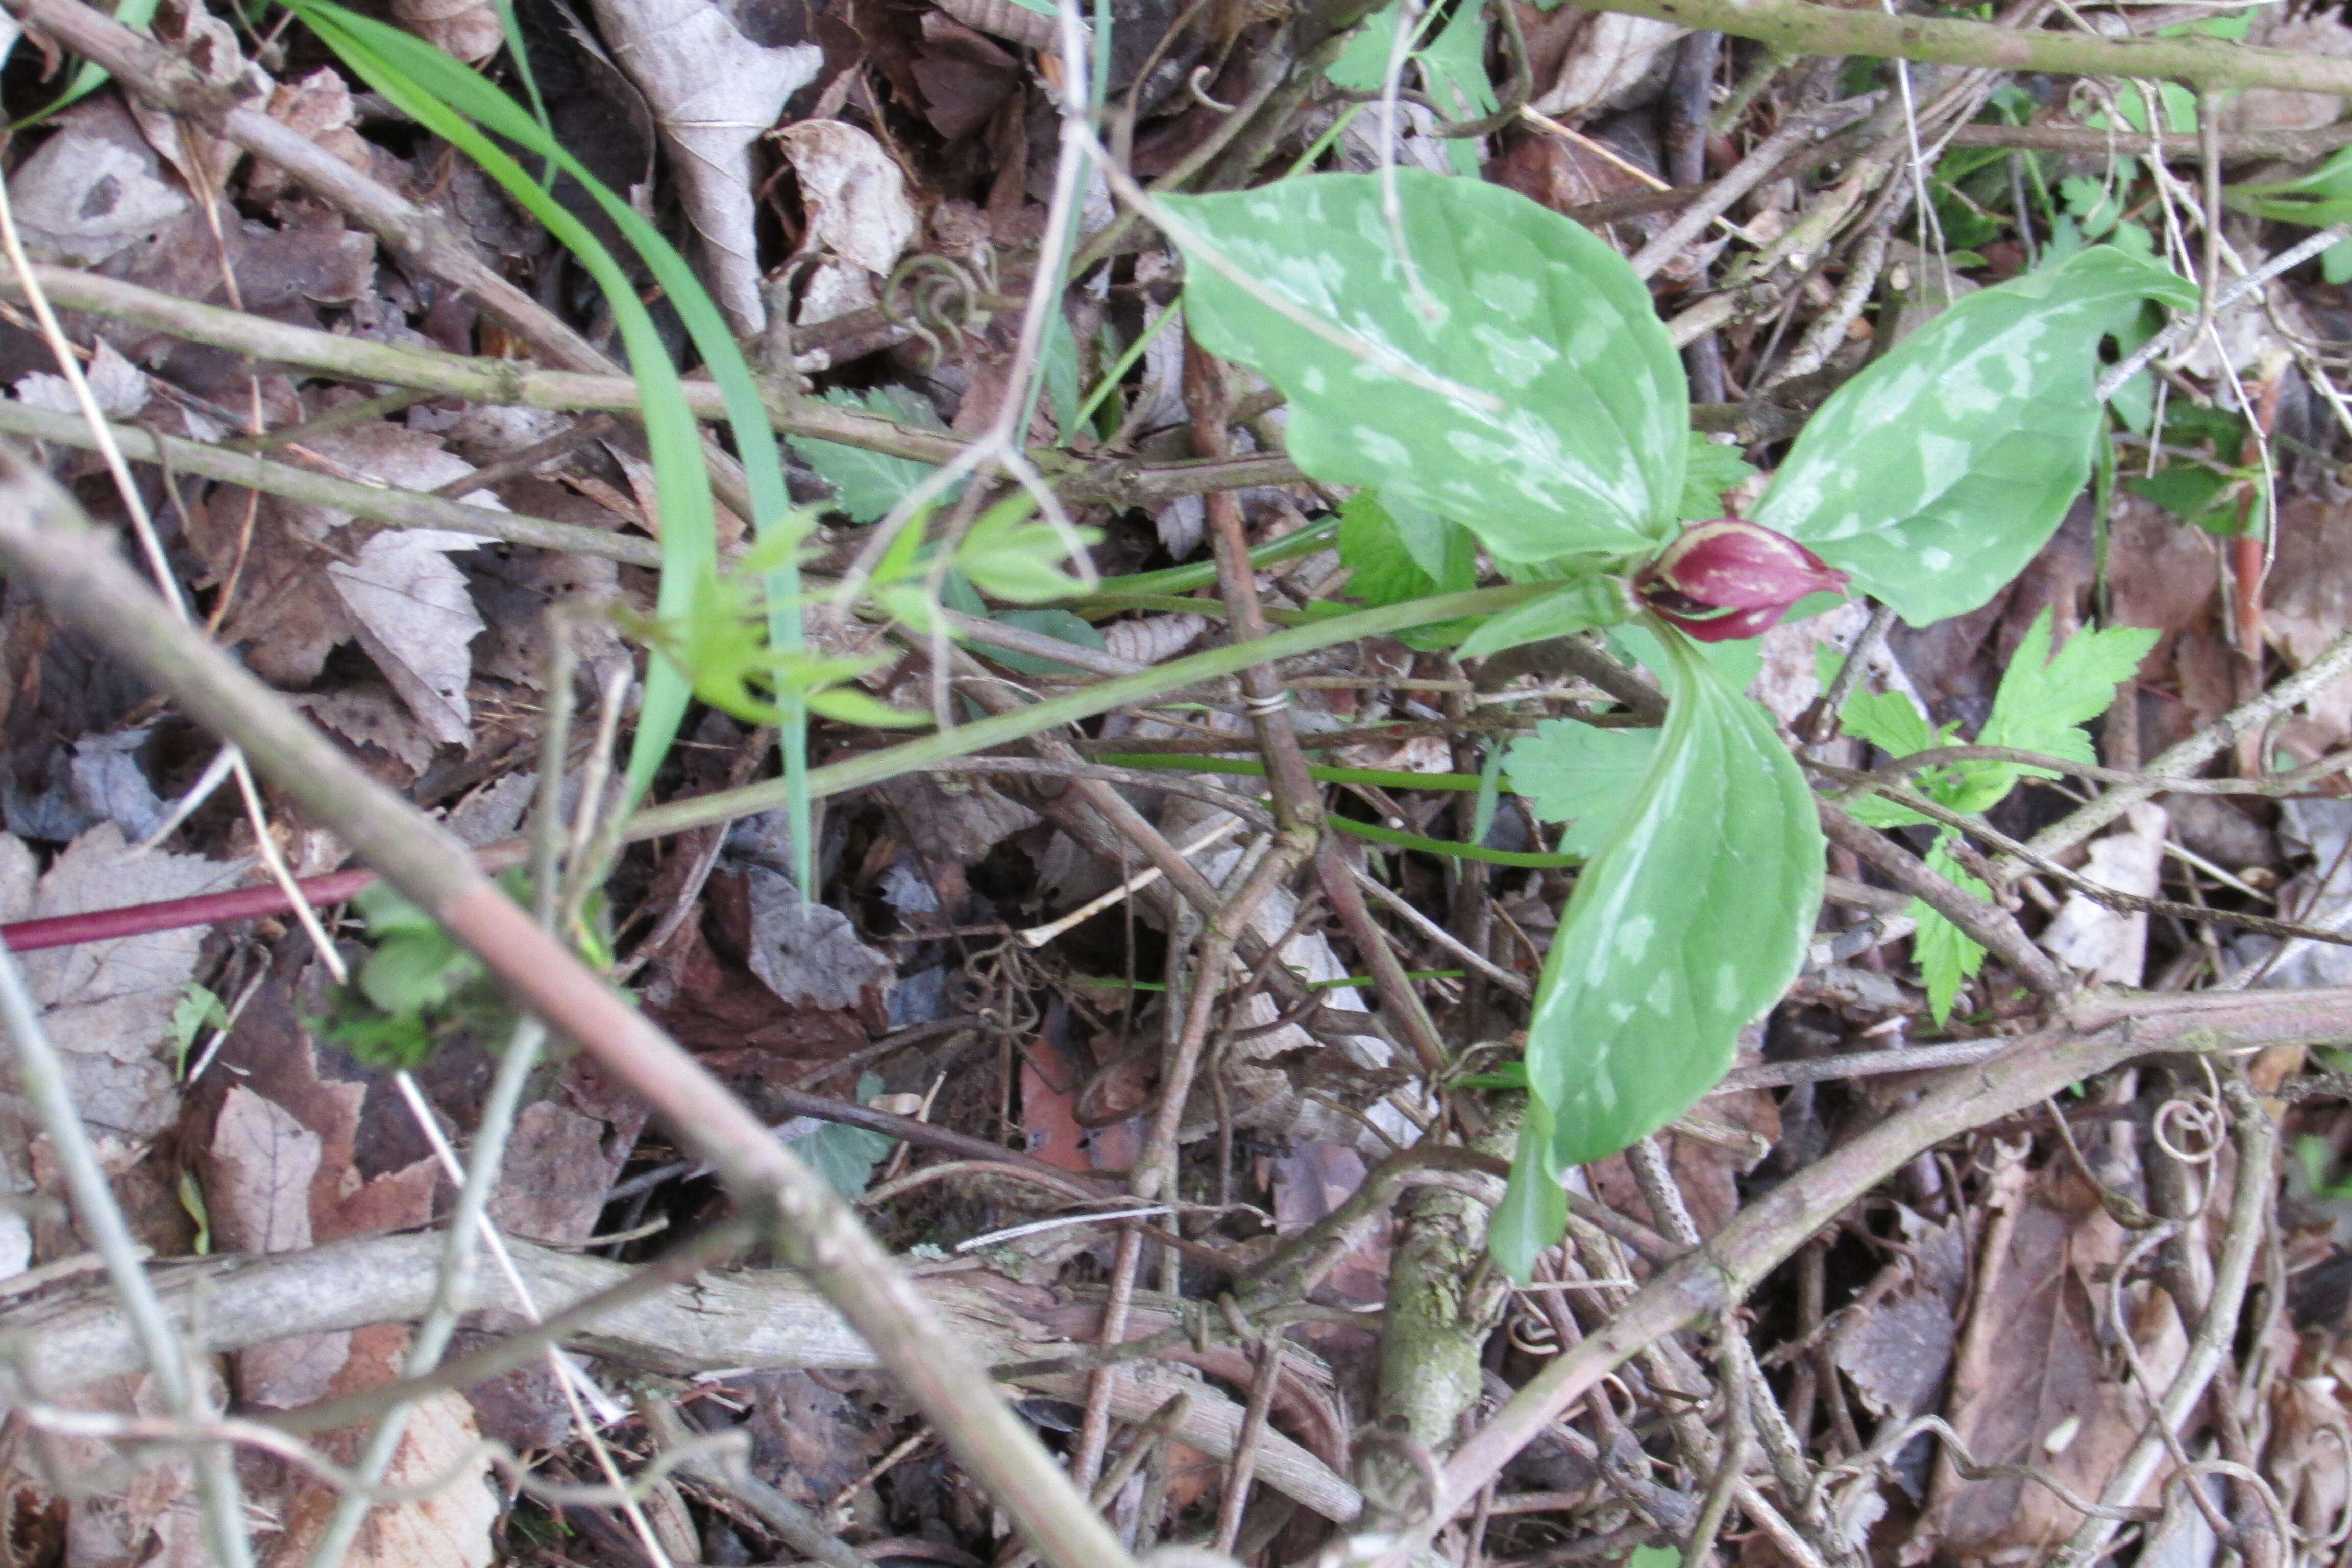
1946	954
1935	475
1453	67
1583	776
866	485
2044	701
1690	922
1580	443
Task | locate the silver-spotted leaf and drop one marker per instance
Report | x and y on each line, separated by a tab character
1525	388
1691	922
1936	474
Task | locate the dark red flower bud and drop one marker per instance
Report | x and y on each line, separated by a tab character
1731	579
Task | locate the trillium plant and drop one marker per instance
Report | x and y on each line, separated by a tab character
1494	383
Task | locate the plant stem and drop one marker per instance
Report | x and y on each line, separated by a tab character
43	1075
401	509
1115	480
1797	28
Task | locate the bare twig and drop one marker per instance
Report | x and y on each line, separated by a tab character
680	1325
1802	28
151	1338
1991	926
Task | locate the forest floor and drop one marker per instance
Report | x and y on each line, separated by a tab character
1985	1305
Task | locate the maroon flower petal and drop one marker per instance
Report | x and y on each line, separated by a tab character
1729	579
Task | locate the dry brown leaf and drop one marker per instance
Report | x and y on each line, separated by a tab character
450	1529
258	1193
147	1518
807	954
1896	1349
263	1161
2033	1384
467	28
369	715
107	1005
2109	944
1611	54
210	46
557	1172
1154	640
954	829
320	107
94	190
859	218
717	77
415	617
119	387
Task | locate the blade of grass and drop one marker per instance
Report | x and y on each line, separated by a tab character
1452	848
92	76
430	73
1203	573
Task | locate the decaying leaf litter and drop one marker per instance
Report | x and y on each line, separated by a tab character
1978	1312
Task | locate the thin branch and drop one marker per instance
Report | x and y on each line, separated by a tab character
2217	1328
702	1321
151	1340
1126	481
2188	756
1993	927
159	77
1799	28
400	508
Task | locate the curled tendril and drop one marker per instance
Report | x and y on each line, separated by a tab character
930	295
2197	1117
1532	1333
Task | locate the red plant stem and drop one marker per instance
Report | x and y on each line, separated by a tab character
252	903
171	915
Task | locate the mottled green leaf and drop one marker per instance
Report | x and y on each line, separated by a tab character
1738	661
1525	388
1936	474
1690	922
1533	1213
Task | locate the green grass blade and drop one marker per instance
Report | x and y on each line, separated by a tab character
91	76
419	78
472	95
